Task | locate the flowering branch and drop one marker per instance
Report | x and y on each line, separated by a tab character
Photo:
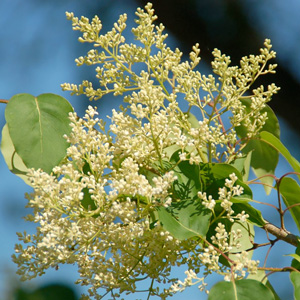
158	186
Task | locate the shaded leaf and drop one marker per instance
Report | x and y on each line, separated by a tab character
242	204
290	191
295	263
264	158
264	161
213	177
48	292
271	125
243	165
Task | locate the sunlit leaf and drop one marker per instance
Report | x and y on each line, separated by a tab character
245	289
37	126
295	278
260	275
274	142
185	219
247	232
11	157
295	256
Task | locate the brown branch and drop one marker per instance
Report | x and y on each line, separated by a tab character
282	234
3	101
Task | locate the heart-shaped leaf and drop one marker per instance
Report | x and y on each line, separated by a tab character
37	126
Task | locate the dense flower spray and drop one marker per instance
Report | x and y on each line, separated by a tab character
99	209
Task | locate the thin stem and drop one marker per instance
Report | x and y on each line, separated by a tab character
268	252
253	181
3	101
279	203
150	289
291	206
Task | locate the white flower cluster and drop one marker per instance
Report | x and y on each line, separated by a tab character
96	212
225	194
224	242
154	78
191	279
98	208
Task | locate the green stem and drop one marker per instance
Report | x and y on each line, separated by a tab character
150	289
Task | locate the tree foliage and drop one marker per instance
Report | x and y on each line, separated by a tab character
160	186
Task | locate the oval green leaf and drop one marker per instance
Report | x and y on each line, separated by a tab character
245	289
37	126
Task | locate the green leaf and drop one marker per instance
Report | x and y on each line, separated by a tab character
295	263
243	165
247	232
192	119
194	123
295	278
261	276
290	191
87	202
271	125
185	219
245	289
213	177
12	159
295	256
264	158
263	162
242	204
274	142
47	292
37	126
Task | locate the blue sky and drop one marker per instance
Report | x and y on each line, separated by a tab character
37	54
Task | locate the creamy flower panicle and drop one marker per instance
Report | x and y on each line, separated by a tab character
98	208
